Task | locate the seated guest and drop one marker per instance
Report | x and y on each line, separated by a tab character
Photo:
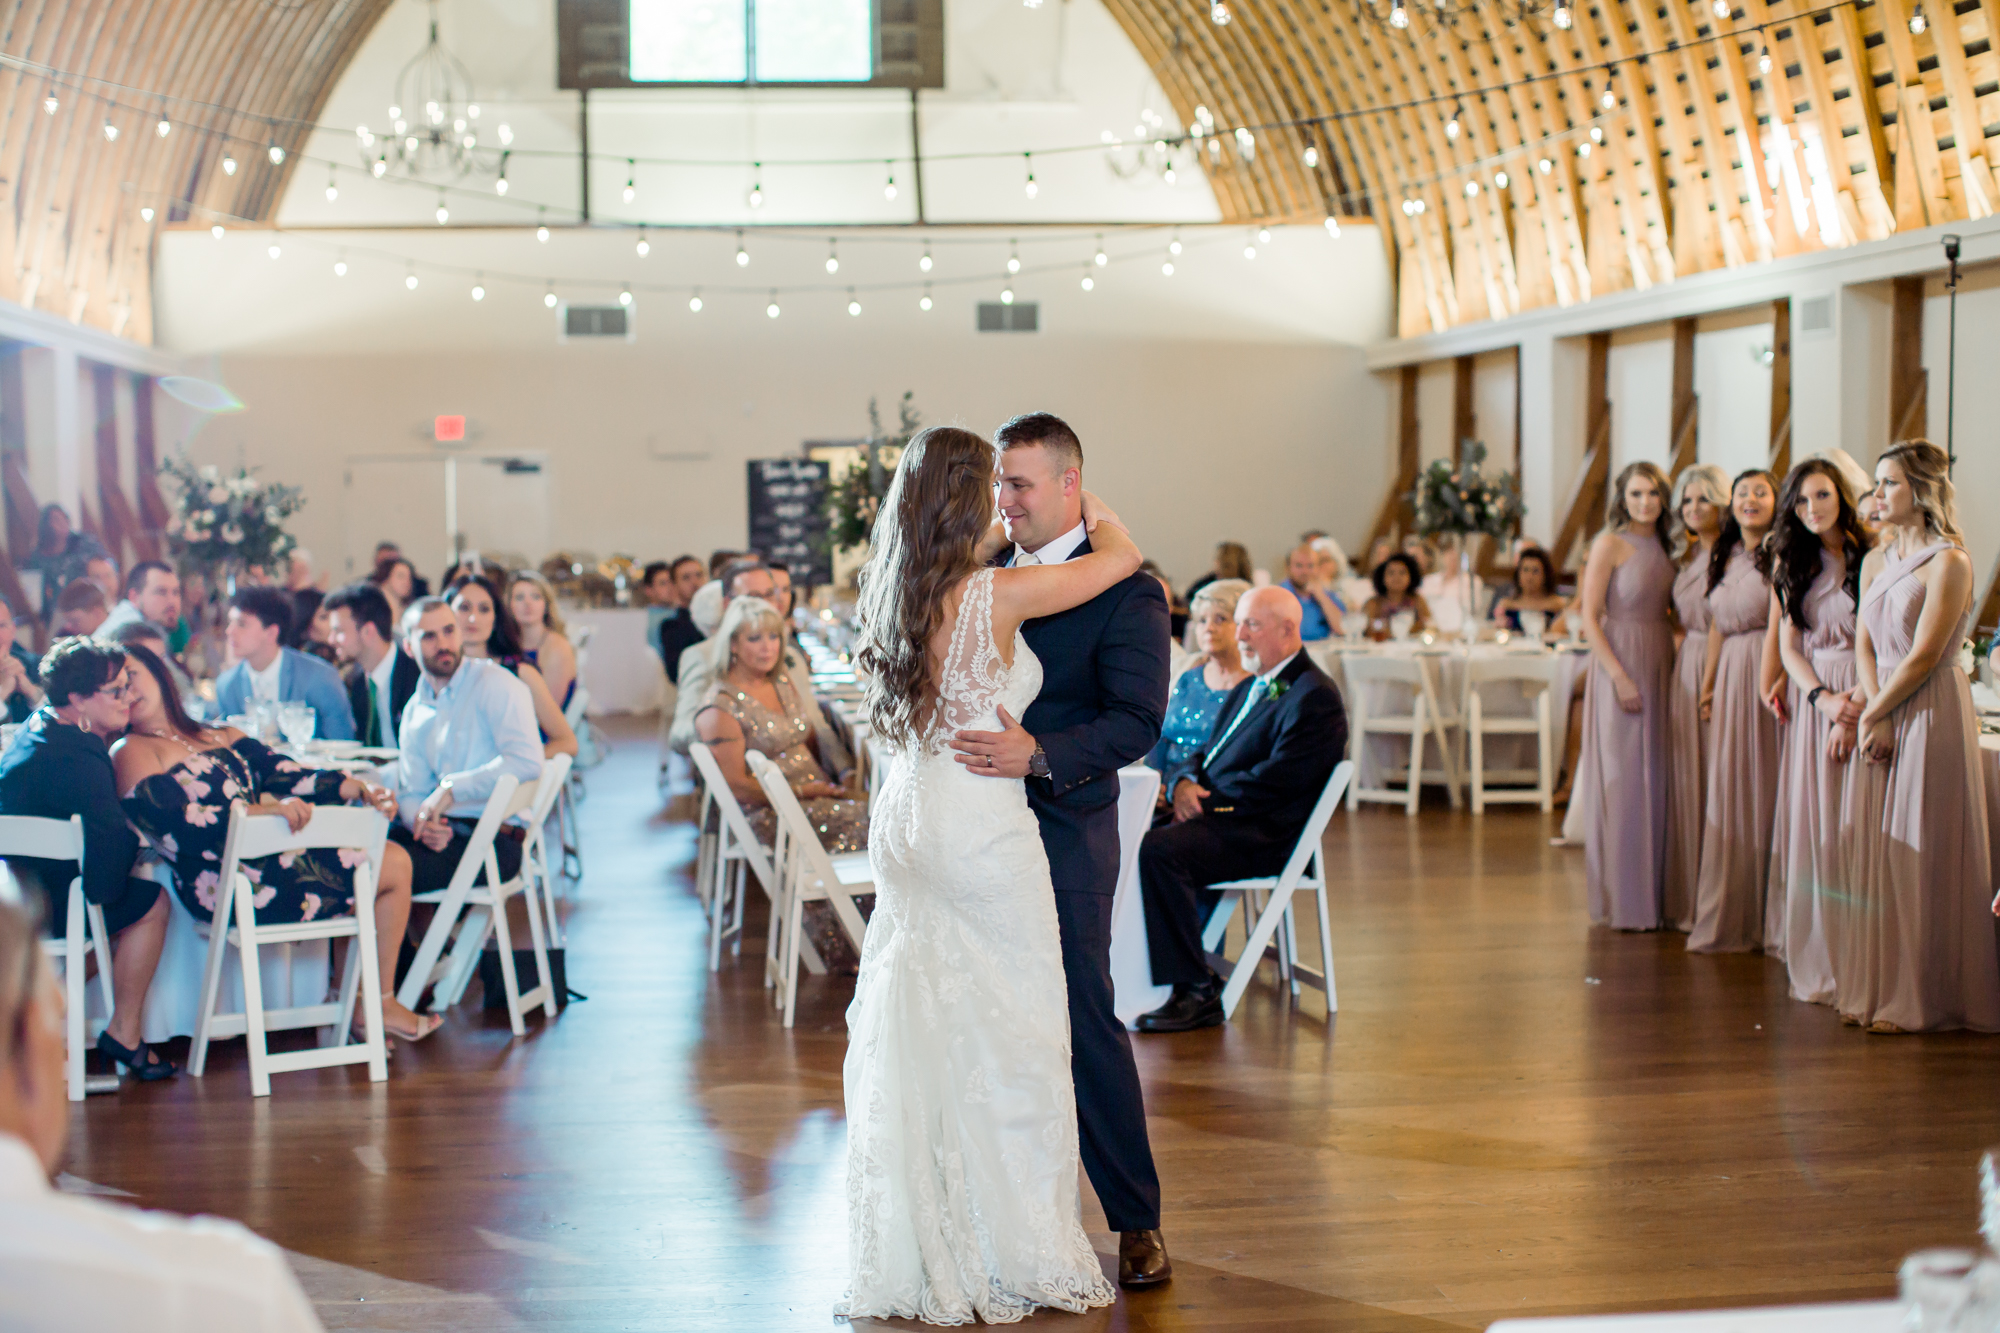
544	643
59	556
311	625
753	705
103	571
1320	603
469	722
80	609
20	672
181	780
152	593
1177	612
1239	803
486	629
58	765
1199	690
381	676
268	672
699	670
676	632
656	585
1534	590
1232	561
397	578
299	571
70	1264
1396	580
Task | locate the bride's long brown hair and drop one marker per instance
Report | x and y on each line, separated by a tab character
938	507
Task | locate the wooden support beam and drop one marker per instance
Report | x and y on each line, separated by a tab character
1686	404
153	511
1397	514
1584	514
23	518
1781	387
1464	420
1909	382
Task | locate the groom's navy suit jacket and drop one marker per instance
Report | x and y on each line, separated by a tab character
1103	701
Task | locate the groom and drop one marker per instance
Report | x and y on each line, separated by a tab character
1103	698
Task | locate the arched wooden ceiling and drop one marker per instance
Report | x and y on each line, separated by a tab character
1675	187
71	237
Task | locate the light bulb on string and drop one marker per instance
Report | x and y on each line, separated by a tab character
381	167
1263	235
631	180
410	281
542	229
1918	22
1014	257
1452	128
1249	250
1472	189
277	155
1218	14
889	189
1764	61
163	127
757	188
228	165
853	306
1399	17
1174	245
1088	281
924	304
1031	188
332	188
500	184
146	214
1563	18
1167	269
1333	226
1721	8
1583	149
1168	174
1609	101
924	262
644	247
832	257
742	255
771	310
50	104
110	132
1545	166
340	265
216	231
506	134
1007	294
443	212
694	302
549	297
625	294
1597	134
274	250
479	288
1312	157
1100	258
1499	180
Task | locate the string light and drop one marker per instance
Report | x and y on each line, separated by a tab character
1333	226
1312	157
228	165
542	231
631	180
1609	101
1452	128
1218	13
1499	180
1545	166
340	265
1399	17
50	104
500	185
1471	189
1764	61
1014	258
694	302
757	190
479	288
772	309
443	212
1088	281
411	280
110	132
1168	174
549	297
925	303
146	214
1007	294
1100	258
1174	245
332	190
1583	149
380	167
832	257
216	231
506	134
742	255
1918	22
277	155
164	127
1249	250
1167	269
1563	18
1721	8
853	306
1031	187
1263	235
625	294
273	251
924	264
644	247
889	190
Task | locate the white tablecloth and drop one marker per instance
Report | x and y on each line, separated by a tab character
622	671
1133	991
1853	1317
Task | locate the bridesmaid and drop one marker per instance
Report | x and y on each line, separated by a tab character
1743	736
1622	774
1701	498
1816	567
1913	944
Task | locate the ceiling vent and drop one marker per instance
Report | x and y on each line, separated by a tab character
1019	317
594	321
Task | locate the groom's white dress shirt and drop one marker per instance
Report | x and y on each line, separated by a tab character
1056	552
71	1265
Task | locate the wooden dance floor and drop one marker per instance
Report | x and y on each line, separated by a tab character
1515	1115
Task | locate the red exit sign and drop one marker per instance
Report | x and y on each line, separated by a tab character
450	429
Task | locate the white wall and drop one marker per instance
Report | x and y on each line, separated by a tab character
1640	385
1977	473
1733	389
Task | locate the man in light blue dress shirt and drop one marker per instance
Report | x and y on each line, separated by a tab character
469	722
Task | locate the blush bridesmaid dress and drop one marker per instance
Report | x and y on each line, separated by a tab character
1742	771
1806	863
1913	943
1622	771
1687	744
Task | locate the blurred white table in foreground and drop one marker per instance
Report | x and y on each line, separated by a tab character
1132	989
622	671
1855	1317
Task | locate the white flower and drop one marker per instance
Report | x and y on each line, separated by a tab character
232	534
242	485
174	528
273	517
218	495
211	473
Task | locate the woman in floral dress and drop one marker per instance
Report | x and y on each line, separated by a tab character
180	780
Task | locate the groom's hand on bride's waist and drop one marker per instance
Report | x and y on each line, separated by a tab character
996	754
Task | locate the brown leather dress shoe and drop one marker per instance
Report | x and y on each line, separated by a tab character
1142	1260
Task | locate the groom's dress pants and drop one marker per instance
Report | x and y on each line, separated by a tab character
1110	1109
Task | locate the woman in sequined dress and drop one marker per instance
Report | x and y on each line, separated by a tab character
753	706
1198	691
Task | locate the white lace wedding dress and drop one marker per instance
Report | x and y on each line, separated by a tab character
962	1192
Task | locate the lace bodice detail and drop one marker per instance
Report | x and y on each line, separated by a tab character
976	680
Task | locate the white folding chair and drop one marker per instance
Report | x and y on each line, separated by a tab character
535	863
1305	872
1424	723
62	840
252	836
483	907
806	874
727	858
1534	674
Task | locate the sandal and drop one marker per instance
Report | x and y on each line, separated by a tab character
426	1024
141	1061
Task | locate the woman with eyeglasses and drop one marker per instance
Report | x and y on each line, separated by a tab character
58	765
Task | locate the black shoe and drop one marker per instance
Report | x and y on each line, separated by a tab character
144	1062
1142	1260
1188	1008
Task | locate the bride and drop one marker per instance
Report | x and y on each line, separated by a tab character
962	1191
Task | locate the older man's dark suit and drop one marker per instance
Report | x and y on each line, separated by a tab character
1263	783
1103	700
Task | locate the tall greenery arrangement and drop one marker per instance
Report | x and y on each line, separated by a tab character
854	497
1460	500
229	522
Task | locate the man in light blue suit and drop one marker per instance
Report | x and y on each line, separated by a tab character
265	672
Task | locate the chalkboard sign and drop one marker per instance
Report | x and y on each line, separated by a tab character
788	516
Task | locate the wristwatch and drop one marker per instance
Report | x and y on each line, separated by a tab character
1812	699
1038	762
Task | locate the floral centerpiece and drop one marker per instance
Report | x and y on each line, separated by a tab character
854	497
1460	500
229	523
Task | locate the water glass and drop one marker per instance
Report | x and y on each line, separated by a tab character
1401	624
1533	623
1574	619
265	715
297	721
1354	628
